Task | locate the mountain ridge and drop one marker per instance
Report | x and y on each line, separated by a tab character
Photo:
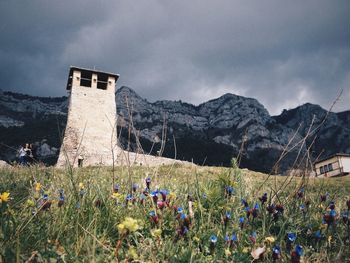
211	132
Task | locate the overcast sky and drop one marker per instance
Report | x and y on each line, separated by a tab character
283	53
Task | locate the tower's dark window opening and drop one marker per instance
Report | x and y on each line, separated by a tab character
85	79
102	80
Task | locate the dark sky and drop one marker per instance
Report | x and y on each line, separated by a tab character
283	53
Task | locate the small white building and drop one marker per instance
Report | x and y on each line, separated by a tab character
334	165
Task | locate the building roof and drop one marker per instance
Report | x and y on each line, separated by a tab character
98	72
331	156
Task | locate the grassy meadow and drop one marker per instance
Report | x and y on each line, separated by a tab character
171	214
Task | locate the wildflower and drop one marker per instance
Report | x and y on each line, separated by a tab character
318	235
164	194
154	217
116	195
269	239
324	197
134	187
213	240
190	197
291	237
271	209
30	203
280	208
276	252
180	210
4	197
132	253
331	205
228	191
142	198
156	233
46	204
172	195
161	205
196	239
128	197
185	220
116	188
252	237
227	217
263	198
154	196
300	193
148	182
330	218
37	187
129	225
244	203
227	252
297	254
241	222
348	204
61	198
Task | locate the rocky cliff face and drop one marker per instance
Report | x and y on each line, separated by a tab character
210	133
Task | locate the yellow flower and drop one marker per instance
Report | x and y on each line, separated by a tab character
37	187
227	252
172	195
132	253
156	232
4	197
30	203
246	250
81	185
270	240
329	240
128	225
195	238
116	195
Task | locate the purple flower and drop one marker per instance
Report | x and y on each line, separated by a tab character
263	198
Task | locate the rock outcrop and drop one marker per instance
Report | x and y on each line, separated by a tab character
210	133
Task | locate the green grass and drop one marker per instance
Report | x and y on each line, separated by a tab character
85	228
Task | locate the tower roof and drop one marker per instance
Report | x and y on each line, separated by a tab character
103	74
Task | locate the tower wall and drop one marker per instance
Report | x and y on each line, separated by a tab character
90	133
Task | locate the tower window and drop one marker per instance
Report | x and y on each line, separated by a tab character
85	78
102	80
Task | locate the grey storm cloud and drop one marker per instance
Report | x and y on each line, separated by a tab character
283	53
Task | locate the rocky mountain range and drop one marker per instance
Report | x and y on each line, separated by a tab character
211	133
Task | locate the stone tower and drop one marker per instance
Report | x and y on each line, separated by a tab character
90	132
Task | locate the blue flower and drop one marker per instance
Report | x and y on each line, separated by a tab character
129	197
180	210
257	206
234	237
292	237
116	187
228	215
318	234
227	238
276	249
213	239
299	250
152	213
332	213
241	220
154	193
